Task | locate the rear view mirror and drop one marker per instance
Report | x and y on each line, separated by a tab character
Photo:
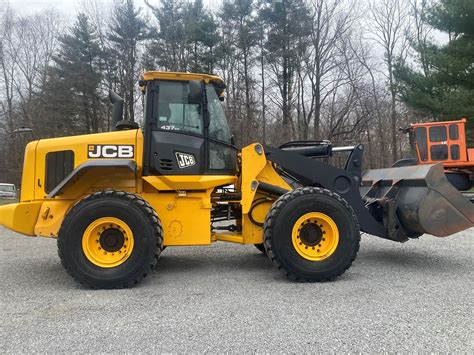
195	95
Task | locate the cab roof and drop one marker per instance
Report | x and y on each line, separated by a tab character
438	123
162	75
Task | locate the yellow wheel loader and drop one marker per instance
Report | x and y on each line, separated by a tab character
115	200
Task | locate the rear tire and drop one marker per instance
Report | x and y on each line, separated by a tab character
459	180
312	234
111	239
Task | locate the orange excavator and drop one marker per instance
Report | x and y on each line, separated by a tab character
446	143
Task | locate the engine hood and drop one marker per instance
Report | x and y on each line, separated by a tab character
48	161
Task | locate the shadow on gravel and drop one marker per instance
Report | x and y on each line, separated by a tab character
199	262
410	260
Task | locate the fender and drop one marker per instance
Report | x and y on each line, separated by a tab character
113	163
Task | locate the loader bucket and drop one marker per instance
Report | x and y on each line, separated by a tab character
422	198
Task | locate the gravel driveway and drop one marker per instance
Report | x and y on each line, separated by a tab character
416	296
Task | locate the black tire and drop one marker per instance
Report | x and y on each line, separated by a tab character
261	247
459	180
138	215
405	162
278	234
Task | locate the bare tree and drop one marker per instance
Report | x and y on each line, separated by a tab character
390	26
330	21
35	40
421	31
8	55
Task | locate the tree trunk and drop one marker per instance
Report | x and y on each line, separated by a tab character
247	90
369	147
393	115
264	123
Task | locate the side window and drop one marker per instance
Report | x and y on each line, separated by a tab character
438	134
420	134
222	157
175	113
455	152
453	132
218	127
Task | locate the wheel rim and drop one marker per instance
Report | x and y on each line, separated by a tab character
315	236
107	242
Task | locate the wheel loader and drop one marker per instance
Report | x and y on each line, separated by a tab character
115	200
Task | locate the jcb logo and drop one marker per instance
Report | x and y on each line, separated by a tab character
110	151
185	160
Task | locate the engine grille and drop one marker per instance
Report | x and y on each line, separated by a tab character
58	166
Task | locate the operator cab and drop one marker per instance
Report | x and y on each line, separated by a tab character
186	131
443	142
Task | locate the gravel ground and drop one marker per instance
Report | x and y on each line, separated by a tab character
415	296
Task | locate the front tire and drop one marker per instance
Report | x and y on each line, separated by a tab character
111	239
261	248
312	234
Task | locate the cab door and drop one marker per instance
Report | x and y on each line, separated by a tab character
174	131
438	143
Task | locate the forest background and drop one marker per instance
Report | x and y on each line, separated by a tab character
349	71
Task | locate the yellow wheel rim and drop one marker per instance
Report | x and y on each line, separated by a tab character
107	242
315	236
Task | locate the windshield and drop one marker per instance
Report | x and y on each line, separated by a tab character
218	127
7	187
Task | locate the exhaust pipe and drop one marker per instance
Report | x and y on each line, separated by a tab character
117	112
419	198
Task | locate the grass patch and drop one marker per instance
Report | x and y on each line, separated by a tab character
6	202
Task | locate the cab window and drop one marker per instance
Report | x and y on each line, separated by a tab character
453	132
175	112
439	152
438	134
420	135
222	156
218	127
455	154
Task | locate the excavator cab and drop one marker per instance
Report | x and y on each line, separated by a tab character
443	142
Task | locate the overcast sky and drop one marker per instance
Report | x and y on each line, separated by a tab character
70	7
31	6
